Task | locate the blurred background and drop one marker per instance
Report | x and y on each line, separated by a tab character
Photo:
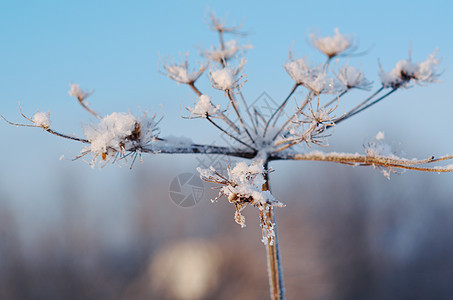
69	231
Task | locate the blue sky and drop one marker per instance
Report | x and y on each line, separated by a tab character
114	47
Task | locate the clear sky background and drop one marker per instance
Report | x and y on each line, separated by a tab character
114	47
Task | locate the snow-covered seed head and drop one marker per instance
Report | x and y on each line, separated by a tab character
312	77
181	72
41	119
332	45
119	133
76	91
227	78
204	108
218	24
351	78
242	186
230	50
406	72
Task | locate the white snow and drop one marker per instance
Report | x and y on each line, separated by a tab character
118	133
181	72
380	136
406	71
332	45
76	91
313	78
41	119
350	77
204	108
232	47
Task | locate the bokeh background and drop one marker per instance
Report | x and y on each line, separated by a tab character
68	231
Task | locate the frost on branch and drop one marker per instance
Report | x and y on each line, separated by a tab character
181	72
312	77
242	186
351	78
119	133
406	72
332	45
204	108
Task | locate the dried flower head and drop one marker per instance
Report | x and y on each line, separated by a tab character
311	77
119	133
76	91
242	186
227	78
204	108
181	72
41	119
350	77
406	72
332	45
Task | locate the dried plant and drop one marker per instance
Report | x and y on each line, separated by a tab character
120	135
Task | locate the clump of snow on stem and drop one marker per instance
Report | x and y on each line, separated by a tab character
223	54
242	186
76	91
227	78
204	108
312	77
181	72
378	148
350	77
406	71
41	119
332	45
119	133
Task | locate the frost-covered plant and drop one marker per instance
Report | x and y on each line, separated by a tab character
254	136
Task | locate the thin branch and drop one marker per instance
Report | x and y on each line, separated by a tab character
229	134
197	149
365	160
241	121
280	108
248	112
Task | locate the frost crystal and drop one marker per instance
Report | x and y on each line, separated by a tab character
332	45
42	120
181	72
244	186
119	133
313	78
350	77
203	108
406	71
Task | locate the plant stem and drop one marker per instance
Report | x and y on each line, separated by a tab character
274	266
